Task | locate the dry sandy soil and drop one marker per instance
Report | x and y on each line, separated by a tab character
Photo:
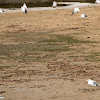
49	55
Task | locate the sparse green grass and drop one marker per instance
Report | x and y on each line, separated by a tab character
5	66
65	39
31	46
94	57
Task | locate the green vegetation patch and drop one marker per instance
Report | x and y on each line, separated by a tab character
5	66
93	57
34	47
65	39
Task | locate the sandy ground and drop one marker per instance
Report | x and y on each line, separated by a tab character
59	77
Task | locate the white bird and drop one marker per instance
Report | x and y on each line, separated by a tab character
2	11
54	5
83	16
1	97
92	82
75	10
24	8
97	1
24	5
